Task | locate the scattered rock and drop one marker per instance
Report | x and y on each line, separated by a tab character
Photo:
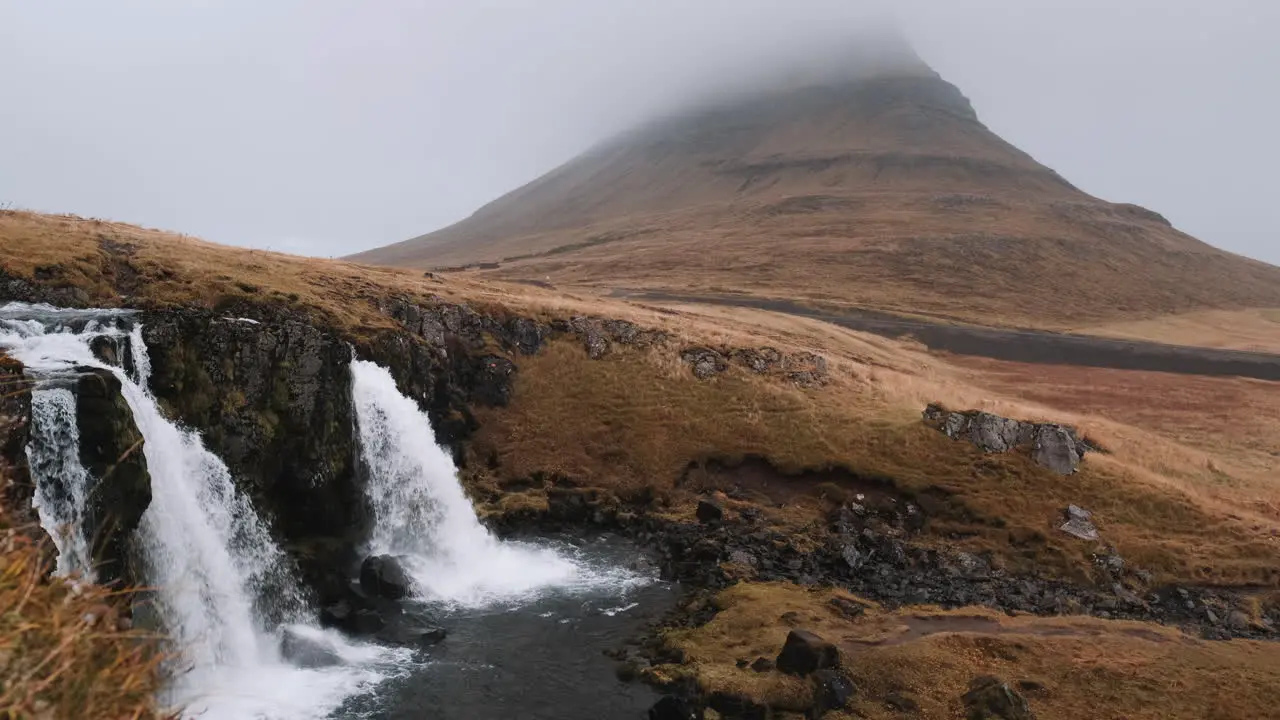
382	576
762	665
1079	524
671	707
742	557
805	653
709	511
832	690
990	698
706	363
306	651
1056	447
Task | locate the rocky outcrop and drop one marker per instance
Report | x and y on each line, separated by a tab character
111	452
16	488
1056	447
271	398
804	369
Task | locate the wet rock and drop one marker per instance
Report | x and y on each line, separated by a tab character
709	511
307	651
706	363
832	690
383	576
805	653
671	707
990	698
1079	524
353	620
111	450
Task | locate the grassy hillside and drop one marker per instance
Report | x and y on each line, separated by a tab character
1187	491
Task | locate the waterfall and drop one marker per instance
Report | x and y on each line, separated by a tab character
422	513
216	570
62	483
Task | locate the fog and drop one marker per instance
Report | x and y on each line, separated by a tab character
328	126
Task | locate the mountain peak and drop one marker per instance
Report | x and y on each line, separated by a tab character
858	176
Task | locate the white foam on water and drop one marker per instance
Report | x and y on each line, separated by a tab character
217	572
62	483
421	512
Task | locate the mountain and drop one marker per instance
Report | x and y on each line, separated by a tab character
877	187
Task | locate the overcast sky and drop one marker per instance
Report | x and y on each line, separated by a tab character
331	126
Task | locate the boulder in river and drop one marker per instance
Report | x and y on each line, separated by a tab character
382	576
805	653
308	650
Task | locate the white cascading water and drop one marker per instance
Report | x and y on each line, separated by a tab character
422	513
204	549
62	483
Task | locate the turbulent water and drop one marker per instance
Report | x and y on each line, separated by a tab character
217	571
62	483
225	592
422	513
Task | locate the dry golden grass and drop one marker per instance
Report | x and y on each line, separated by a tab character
1088	668
1256	329
634	421
63	650
1174	504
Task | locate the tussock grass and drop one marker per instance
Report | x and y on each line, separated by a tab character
1087	667
64	652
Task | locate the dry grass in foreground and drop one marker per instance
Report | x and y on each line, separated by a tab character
64	653
1073	667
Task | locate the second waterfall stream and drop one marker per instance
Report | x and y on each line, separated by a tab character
224	590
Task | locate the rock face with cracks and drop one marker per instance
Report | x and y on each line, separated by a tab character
111	451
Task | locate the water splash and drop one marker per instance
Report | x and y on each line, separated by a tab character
421	512
62	483
222	582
